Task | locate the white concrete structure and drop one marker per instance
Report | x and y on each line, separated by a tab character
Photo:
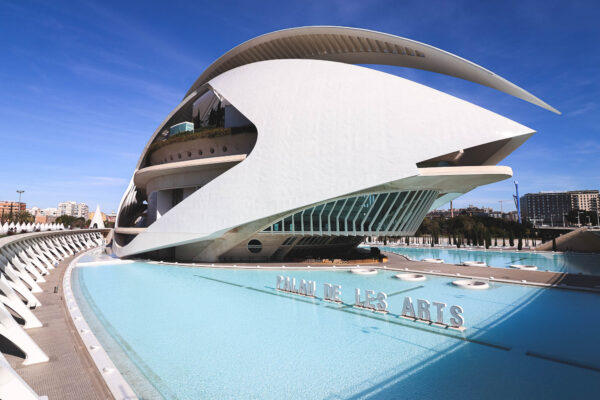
97	221
299	153
24	259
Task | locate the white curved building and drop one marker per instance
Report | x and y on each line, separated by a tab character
285	149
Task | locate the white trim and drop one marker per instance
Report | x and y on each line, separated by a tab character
117	385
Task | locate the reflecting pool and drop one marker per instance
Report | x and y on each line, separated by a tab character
573	263
192	332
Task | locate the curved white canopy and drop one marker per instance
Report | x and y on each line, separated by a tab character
359	46
367	130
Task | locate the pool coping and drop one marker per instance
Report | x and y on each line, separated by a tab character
111	375
490	278
384	266
497	249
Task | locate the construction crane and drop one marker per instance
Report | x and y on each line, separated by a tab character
517	200
501	202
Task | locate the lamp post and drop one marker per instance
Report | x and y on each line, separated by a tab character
19	203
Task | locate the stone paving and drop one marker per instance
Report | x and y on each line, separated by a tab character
536	278
401	263
70	373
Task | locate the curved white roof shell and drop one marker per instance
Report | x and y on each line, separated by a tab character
359	46
324	134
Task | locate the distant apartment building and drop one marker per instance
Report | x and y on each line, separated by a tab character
112	217
474	211
50	212
551	207
470	211
585	200
73	209
511	216
11	207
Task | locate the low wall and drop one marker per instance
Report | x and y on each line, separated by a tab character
581	240
24	236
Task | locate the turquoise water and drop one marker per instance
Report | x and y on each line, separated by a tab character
202	333
588	264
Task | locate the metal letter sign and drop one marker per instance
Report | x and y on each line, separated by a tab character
377	302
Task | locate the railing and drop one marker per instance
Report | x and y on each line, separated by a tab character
24	261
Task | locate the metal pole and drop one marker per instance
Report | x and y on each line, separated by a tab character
518	201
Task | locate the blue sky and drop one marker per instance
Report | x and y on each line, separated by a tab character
84	84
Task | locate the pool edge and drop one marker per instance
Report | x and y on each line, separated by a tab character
118	386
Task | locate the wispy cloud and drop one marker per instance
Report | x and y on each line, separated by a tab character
131	29
155	90
586	147
585	108
106	181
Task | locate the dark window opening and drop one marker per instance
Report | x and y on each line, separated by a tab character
254	246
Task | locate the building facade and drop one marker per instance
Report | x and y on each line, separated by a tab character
8	208
585	200
73	209
50	212
45	219
297	151
550	208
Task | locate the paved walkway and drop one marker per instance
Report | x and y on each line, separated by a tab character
70	373
401	263
537	278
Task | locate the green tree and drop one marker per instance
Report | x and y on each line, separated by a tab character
520	244
23	217
554	244
66	220
73	222
585	217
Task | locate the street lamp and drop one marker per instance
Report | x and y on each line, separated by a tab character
19	204
578	220
20	193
